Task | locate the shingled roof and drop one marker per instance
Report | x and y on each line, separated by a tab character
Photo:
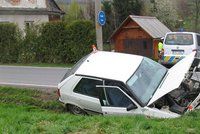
52	8
151	25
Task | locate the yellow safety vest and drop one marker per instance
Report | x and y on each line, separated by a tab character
160	46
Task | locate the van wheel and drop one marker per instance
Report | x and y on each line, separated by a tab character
76	110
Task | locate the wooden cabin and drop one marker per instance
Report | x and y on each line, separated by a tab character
139	35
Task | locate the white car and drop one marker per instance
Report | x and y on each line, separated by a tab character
115	83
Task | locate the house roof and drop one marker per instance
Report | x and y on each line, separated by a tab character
52	8
151	25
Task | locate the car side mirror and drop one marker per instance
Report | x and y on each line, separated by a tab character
131	107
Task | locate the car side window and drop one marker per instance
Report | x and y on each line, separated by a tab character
115	98
198	40
88	87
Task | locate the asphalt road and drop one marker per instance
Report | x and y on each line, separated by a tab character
36	77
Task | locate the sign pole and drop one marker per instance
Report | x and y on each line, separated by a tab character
99	37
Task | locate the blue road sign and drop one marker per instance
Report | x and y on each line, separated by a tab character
101	18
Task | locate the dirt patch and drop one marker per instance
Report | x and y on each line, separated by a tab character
48	96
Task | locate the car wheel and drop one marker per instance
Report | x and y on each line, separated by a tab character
76	110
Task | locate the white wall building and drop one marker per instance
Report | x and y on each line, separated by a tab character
29	12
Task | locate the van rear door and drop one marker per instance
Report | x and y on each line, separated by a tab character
179	44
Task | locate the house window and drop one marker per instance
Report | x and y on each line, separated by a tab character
145	44
128	43
28	24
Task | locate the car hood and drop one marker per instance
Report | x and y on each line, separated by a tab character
173	78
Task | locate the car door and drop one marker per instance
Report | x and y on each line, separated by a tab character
115	101
85	95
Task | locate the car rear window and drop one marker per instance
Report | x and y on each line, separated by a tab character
179	39
75	67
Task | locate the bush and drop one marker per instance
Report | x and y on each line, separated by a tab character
10	38
29	48
62	43
53	36
53	42
80	37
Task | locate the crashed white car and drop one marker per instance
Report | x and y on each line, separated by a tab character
115	83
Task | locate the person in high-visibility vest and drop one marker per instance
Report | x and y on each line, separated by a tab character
160	48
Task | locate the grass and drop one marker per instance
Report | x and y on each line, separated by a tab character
40	65
29	111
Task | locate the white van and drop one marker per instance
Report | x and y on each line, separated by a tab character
179	44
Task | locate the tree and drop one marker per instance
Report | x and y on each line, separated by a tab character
164	10
189	11
195	6
74	12
109	26
123	8
89	12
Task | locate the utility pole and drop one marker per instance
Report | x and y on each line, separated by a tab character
98	26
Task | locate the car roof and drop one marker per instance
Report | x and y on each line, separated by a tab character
110	65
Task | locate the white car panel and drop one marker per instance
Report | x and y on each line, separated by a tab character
66	86
149	112
86	102
119	111
106	65
154	112
174	77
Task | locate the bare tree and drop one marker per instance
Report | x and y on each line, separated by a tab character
196	6
164	10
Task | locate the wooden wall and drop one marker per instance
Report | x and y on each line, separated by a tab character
54	17
131	38
155	50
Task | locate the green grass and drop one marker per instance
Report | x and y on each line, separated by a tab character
39	65
27	111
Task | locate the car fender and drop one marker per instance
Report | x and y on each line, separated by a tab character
154	112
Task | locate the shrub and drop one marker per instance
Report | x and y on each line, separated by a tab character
52	42
29	48
10	38
52	38
80	37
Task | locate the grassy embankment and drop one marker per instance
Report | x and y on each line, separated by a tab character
29	111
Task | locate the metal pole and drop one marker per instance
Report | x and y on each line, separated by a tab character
98	27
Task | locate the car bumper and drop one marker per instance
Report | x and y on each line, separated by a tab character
171	60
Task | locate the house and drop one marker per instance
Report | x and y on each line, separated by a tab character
139	35
28	12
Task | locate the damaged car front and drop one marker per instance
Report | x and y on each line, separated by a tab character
176	93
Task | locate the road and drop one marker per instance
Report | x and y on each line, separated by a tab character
36	77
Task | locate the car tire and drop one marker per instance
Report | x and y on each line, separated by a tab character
76	110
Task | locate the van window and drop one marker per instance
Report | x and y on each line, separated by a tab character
179	39
198	40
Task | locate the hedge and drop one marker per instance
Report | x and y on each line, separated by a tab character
10	39
52	42
80	37
29	47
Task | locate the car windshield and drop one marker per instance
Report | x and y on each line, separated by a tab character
179	39
144	82
74	68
